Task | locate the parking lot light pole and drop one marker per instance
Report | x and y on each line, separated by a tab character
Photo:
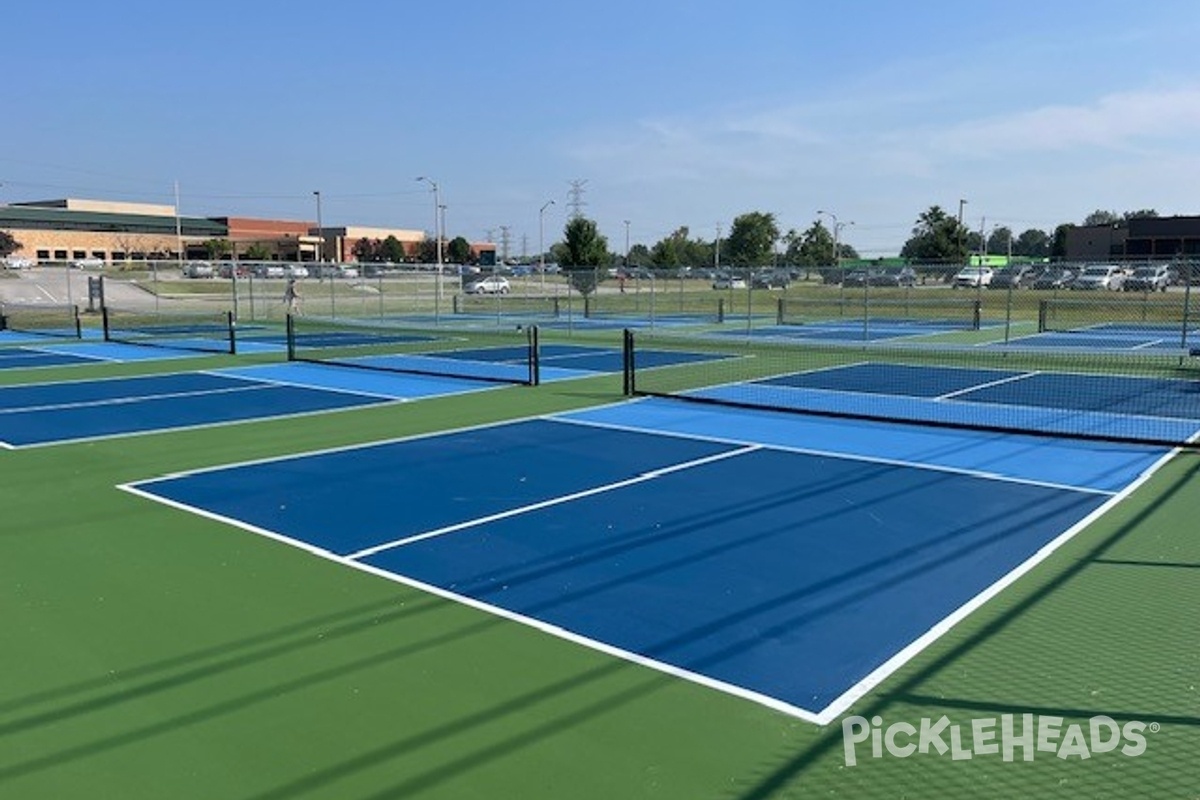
542	242
319	257
437	235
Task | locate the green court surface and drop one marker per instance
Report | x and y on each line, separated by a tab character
152	653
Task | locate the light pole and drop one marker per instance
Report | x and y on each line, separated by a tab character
437	235
961	249
542	242
319	256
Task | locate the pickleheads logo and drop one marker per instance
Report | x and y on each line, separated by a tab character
1004	737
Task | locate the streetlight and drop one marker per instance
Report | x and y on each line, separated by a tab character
319	256
542	242
437	235
961	249
837	228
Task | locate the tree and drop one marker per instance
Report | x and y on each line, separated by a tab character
257	252
752	239
1032	243
458	250
584	251
999	240
8	245
937	236
1141	213
677	250
367	250
1101	217
1058	249
639	254
217	248
813	248
391	250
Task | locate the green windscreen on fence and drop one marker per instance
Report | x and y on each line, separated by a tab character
44	319
489	354
1145	396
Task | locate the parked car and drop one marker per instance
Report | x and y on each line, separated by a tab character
89	263
297	272
1148	279
492	284
726	281
855	277
1099	276
198	269
904	276
972	277
773	279
1014	276
1053	278
12	262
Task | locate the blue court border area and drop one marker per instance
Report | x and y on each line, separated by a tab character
37	414
796	566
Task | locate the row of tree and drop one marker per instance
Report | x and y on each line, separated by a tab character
754	239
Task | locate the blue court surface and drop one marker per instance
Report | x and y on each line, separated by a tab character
855	330
558	361
789	560
50	413
1111	337
1096	404
19	352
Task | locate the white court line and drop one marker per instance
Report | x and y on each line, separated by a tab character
885	670
821	717
554	501
532	622
136	398
987	385
810	451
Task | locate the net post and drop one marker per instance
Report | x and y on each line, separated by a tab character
104	323
535	358
1042	306
779	311
976	314
291	338
229	321
556	311
627	371
3	319
720	309
587	306
78	324
457	309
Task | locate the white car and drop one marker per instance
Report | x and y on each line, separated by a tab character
972	277
89	263
298	272
12	262
493	284
198	269
1099	276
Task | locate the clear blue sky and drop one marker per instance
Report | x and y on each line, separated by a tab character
675	113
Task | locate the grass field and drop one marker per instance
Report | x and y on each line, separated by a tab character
151	653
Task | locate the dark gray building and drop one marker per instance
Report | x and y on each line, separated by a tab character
1137	239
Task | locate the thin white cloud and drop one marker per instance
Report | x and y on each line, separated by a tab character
1114	122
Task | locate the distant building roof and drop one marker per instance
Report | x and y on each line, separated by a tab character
104	206
25	216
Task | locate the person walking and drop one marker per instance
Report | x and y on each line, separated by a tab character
291	297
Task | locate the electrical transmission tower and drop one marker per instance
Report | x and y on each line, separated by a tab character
504	242
575	200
